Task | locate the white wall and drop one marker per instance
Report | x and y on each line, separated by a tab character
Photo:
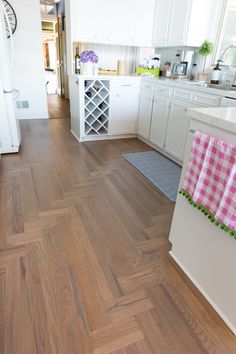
28	73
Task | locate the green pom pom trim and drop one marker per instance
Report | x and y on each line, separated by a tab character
207	213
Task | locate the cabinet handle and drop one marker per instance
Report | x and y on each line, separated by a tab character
126	85
117	95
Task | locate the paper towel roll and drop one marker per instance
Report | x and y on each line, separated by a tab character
121	67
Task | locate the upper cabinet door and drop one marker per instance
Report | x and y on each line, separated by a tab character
114	26
179	20
162	19
86	17
141	22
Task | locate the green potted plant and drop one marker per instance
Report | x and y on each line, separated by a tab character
205	49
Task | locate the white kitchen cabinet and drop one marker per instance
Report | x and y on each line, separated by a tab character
114	21
145	113
160	115
124	106
184	22
162	21
179	19
86	20
123	22
141	22
177	128
104	107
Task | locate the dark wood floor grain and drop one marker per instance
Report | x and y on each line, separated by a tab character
84	264
58	107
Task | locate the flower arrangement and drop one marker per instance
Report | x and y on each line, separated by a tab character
88	56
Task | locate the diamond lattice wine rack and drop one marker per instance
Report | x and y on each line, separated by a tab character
96	106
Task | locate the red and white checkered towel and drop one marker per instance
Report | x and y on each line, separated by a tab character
210	181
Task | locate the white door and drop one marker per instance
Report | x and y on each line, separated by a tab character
159	120
114	26
145	112
179	20
123	113
177	128
86	19
141	22
162	19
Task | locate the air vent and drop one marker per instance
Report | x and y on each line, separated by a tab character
22	104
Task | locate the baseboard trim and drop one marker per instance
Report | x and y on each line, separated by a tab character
209	300
104	137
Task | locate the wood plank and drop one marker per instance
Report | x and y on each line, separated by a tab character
128	306
116	336
24	238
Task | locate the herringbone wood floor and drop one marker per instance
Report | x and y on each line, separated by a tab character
84	266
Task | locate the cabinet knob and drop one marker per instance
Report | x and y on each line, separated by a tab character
117	95
77	82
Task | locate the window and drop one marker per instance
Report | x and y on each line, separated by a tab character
228	34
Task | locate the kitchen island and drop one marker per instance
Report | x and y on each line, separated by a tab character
206	253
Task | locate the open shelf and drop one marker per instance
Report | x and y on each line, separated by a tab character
96	107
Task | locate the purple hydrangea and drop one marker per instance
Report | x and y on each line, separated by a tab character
88	56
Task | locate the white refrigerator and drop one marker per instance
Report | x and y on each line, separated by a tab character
10	136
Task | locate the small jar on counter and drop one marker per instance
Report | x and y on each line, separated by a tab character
166	71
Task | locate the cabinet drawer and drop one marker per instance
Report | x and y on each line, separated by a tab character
161	90
206	99
125	86
183	94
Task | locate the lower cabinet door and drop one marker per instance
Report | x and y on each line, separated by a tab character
145	112
177	128
159	121
123	113
75	106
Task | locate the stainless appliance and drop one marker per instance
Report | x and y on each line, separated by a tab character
180	69
228	101
183	67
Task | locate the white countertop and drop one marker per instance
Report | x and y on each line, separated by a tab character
190	85
220	117
104	77
181	83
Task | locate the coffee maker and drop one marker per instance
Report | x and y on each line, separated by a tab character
181	67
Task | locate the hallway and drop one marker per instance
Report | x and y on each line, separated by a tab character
58	107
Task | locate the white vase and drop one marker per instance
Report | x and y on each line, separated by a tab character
87	68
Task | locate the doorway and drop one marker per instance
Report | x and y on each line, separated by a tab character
54	49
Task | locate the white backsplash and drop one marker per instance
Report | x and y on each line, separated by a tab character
109	54
168	54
